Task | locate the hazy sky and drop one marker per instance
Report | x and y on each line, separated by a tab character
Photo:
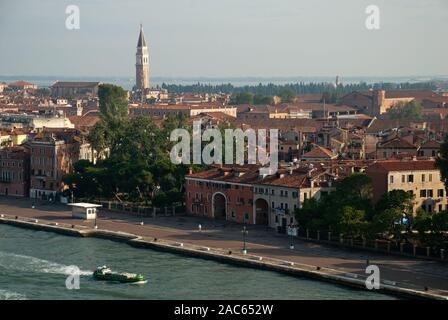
224	38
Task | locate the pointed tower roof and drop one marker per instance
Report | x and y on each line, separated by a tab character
141	38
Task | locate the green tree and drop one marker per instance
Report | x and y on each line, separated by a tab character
242	98
259	99
406	110
287	95
388	222
351	221
113	101
431	228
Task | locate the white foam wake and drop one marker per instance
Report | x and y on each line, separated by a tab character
12	261
10	295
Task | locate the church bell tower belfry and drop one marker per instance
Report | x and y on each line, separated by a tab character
141	63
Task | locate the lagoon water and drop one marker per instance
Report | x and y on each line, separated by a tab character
35	265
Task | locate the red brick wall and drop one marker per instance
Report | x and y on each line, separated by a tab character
379	181
239	200
17	166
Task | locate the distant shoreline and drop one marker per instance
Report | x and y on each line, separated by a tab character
128	82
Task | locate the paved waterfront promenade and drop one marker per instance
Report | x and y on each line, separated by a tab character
412	273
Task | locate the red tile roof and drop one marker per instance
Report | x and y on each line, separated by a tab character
319	152
396	143
405	165
20	84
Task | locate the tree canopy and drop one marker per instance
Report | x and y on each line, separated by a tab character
135	163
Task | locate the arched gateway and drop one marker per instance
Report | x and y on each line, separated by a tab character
261	212
219	206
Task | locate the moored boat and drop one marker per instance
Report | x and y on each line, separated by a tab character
106	274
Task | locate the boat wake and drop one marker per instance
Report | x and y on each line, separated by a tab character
139	282
12	261
10	295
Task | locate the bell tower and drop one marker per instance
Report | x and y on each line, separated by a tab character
141	63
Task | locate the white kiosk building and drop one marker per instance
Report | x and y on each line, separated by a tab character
82	210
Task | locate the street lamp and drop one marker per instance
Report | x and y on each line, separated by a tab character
291	243
141	216
244	232
33	205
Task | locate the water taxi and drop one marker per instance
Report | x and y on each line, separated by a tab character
106	274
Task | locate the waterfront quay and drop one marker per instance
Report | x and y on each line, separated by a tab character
216	239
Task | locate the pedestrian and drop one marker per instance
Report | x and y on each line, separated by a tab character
200	227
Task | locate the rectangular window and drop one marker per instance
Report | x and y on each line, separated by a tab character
411	178
440	193
430	177
391	179
423	178
422	193
403	179
430	193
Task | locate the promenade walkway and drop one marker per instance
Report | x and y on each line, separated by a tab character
413	273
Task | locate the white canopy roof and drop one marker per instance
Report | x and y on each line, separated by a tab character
84	205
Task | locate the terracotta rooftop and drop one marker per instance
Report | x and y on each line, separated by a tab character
396	143
430	144
319	152
75	84
20	84
404	165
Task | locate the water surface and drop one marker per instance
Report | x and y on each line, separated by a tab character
35	265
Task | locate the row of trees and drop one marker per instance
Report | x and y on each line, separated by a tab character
135	164
286	96
298	88
350	210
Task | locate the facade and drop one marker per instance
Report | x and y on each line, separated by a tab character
33	121
222	193
142	63
277	198
74	89
22	85
420	177
429	148
52	155
394	147
14	171
187	110
241	194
